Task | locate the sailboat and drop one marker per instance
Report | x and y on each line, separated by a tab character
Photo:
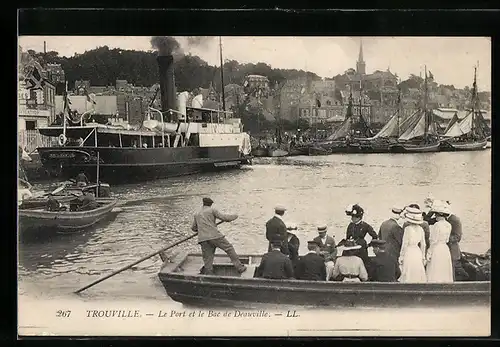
391	131
469	134
347	138
421	135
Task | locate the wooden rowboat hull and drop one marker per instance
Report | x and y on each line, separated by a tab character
277	153
64	220
183	284
464	146
409	148
259	152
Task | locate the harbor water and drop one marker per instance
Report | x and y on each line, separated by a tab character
314	189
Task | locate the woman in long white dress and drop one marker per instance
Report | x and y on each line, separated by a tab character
412	255
439	265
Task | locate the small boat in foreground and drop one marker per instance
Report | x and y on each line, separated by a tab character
39	218
465	146
183	283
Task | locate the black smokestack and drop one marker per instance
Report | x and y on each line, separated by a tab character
167	82
166	47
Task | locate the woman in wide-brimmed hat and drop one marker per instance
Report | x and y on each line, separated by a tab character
412	257
349	267
439	265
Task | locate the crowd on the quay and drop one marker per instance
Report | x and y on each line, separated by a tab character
412	246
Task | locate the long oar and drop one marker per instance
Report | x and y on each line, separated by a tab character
137	262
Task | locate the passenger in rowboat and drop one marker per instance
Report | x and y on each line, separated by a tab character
412	256
439	267
210	238
81	180
293	244
357	230
274	264
276	229
453	243
53	205
350	267
387	227
311	267
328	249
87	202
383	267
425	226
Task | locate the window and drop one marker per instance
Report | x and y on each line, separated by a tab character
31	125
328	102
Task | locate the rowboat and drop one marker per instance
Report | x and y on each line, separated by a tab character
414	148
183	283
259	152
39	218
464	146
277	152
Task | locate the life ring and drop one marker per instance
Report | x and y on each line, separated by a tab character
62	139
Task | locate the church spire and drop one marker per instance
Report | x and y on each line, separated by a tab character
360	64
360	57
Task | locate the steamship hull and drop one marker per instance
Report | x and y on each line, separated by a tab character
125	165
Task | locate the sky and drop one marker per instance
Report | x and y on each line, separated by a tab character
450	59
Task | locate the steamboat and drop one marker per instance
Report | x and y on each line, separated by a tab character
174	141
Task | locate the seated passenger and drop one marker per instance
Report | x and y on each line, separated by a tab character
81	180
349	267
311	267
383	267
53	205
274	264
328	249
87	202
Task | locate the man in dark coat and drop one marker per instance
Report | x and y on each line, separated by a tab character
311	267
358	229
392	223
328	249
274	264
277	230
383	267
453	243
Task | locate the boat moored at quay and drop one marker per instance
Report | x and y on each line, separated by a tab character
177	140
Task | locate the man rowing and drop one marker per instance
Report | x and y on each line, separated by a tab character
210	238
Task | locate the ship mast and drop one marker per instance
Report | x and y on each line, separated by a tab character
222	75
474	100
399	110
425	105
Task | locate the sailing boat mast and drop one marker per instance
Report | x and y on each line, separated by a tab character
474	100
399	111
425	105
222	75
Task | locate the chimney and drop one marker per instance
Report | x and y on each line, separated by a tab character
167	82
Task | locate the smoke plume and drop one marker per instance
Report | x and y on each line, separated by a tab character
199	41
166	45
